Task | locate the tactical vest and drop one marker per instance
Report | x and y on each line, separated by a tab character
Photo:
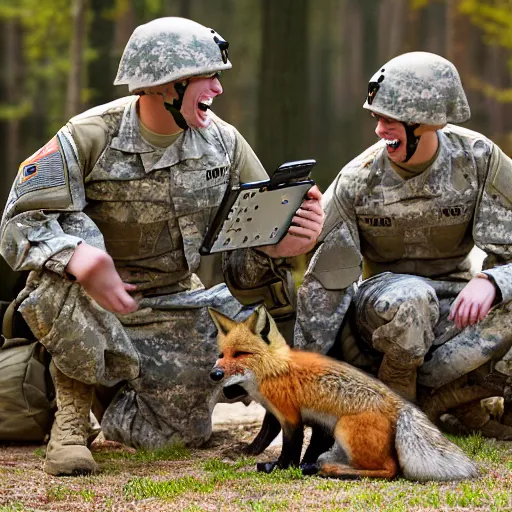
422	225
153	207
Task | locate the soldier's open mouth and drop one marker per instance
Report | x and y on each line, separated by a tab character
392	144
205	105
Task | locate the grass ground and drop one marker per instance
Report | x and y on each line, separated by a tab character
220	478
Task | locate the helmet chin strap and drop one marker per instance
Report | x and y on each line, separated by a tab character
175	107
412	140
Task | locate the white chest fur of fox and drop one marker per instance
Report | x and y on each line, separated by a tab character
311	417
376	433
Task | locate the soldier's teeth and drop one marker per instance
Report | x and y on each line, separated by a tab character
205	105
393	143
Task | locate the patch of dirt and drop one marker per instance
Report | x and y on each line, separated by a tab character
25	487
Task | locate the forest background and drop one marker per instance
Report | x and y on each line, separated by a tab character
300	67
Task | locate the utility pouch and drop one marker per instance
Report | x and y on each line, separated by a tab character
27	404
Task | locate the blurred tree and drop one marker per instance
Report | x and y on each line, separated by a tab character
13	110
300	68
185	8
77	54
125	20
239	103
104	60
283	120
35	46
393	25
493	16
329	81
457	37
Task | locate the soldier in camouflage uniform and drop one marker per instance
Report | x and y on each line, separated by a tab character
109	216
405	215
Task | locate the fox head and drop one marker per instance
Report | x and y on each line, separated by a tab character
250	351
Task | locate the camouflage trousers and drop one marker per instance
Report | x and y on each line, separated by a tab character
162	354
406	317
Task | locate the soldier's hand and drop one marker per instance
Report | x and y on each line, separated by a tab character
473	302
94	269
306	227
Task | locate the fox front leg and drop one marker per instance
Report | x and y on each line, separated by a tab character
293	437
269	431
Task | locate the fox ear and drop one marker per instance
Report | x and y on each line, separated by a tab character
221	321
259	323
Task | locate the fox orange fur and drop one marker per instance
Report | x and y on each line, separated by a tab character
376	432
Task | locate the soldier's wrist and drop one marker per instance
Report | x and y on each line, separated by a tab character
487	277
490	278
58	262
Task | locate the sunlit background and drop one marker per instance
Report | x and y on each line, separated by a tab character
300	67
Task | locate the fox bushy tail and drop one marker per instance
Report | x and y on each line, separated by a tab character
424	453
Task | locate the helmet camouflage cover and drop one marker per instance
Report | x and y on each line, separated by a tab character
169	49
419	88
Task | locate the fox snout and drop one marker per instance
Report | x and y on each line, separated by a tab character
231	391
216	374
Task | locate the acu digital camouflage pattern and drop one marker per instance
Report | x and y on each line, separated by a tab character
418	87
149	208
424	227
407	317
168	49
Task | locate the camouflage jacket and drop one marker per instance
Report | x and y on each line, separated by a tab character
425	225
99	181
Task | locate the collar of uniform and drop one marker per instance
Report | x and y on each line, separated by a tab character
128	138
428	184
201	149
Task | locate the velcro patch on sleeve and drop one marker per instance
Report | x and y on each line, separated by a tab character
502	181
43	170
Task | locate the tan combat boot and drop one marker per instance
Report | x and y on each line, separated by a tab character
400	376
67	452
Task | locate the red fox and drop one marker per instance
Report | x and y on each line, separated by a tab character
376	432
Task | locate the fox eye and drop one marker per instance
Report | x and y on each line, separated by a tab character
221	355
241	353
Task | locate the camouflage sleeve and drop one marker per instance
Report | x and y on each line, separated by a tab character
328	286
492	229
43	220
246	162
252	276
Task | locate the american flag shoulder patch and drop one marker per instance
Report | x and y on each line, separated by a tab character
43	170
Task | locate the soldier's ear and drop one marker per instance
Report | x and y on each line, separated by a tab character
223	323
259	323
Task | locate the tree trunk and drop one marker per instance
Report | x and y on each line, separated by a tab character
413	24
76	70
435	24
457	37
328	82
101	70
392	28
283	124
496	75
238	104
185	8
12	81
125	24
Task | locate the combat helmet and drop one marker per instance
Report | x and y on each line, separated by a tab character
169	49
418	88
